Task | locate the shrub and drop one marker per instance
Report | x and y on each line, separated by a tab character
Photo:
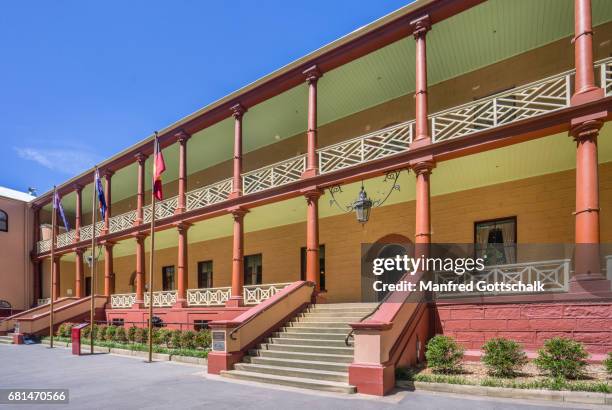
443	354
164	336
85	332
131	334
120	335
607	363
561	357
175	339
110	333
101	333
141	335
503	357
65	329
203	339
156	336
188	340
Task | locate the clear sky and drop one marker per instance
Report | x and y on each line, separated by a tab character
83	80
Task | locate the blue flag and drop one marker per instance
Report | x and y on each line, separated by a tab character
100	192
58	206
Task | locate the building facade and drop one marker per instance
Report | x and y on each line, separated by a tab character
490	116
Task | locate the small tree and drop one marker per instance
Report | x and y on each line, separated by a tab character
203	339
443	354
141	335
188	340
101	333
176	339
109	336
120	335
608	363
503	357
164	336
131	334
561	357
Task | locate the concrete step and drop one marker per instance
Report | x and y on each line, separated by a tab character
322	357
296	363
290	381
307	349
315	336
326	313
314	374
314	329
6	340
326	319
343	307
318	324
307	342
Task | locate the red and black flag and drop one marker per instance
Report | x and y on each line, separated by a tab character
159	166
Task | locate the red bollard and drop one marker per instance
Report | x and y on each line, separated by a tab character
76	338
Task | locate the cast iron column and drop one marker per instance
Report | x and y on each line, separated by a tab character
140	271
56	275
107	196
141	158
182	138
312	75
238	112
108	268
236	298
79	274
182	264
78	213
312	237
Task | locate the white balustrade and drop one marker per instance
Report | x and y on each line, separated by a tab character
65	239
274	175
43	301
43	246
553	275
605	68
122	222
208	195
164	298
365	148
254	294
208	296
123	300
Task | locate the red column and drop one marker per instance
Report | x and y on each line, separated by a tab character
108	268
37	282
79	274
107	196
238	112
423	220
182	264
237	258
56	274
141	158
182	138
312	237
140	271
312	75
78	213
585	130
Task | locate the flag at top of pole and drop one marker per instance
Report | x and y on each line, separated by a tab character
100	193
159	166
58	206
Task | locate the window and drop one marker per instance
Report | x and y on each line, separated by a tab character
199	324
495	240
321	265
168	277
118	322
88	286
205	274
3	221
252	269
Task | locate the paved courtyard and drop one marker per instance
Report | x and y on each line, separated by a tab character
109	381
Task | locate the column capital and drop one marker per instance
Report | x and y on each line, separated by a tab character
312	74
238	212
77	187
423	167
108	244
140	236
586	130
57	257
108	173
312	193
140	157
238	111
80	251
183	226
181	136
420	26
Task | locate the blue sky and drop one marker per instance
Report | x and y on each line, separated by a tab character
80	81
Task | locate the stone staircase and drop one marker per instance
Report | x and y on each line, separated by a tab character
7	339
308	352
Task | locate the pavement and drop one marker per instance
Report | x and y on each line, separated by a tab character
104	381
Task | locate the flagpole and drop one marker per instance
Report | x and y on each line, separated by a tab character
53	272
93	263
151	253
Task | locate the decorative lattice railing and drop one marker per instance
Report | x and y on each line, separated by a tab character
208	195
365	148
65	239
122	222
208	296
523	102
123	300
254	294
43	301
163	209
43	246
274	175
164	298
553	275
605	70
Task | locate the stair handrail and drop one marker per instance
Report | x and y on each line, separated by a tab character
352	331
281	297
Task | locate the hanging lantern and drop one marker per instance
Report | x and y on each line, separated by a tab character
362	206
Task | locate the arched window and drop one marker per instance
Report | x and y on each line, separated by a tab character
3	221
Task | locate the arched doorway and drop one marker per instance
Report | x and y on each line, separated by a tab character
386	247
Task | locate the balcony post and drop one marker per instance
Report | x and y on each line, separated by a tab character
78	213
107	196
55	277
37	280
140	271
109	284
238	112
182	138
141	158
236	299
585	88
182	265
312	237
312	75
79	273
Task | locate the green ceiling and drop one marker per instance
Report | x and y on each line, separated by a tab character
480	36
